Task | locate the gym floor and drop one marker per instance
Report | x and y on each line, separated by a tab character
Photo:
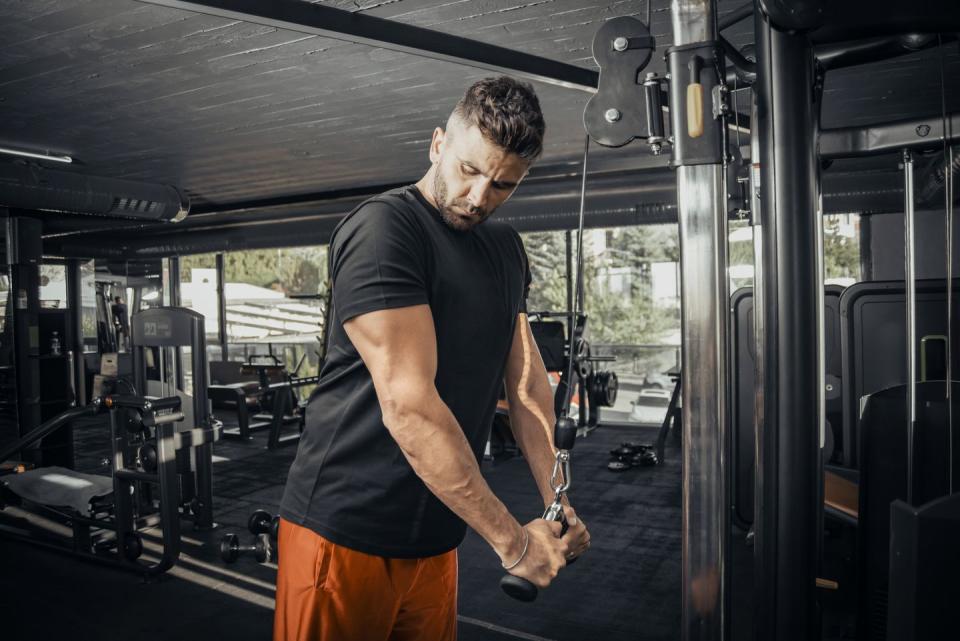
626	587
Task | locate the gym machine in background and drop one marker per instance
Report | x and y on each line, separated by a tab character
102	518
593	386
160	472
260	393
157	338
785	207
270	401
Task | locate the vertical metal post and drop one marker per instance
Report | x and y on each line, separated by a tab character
172	294
909	270
222	308
173	281
701	200
568	246
75	303
788	453
201	418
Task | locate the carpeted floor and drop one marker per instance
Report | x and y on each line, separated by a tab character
626	587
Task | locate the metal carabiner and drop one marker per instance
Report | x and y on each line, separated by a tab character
560	479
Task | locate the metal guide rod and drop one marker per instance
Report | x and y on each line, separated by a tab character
820	281
756	216
910	277
701	201
948	215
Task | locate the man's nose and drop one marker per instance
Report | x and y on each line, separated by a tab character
479	194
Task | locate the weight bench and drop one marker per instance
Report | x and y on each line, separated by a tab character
238	392
285	411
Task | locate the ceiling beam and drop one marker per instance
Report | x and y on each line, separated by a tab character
889	137
327	22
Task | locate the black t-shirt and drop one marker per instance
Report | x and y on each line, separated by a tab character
350	481
119	311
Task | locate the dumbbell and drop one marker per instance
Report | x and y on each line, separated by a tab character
230	548
262	522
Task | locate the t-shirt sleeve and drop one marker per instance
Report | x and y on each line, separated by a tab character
377	262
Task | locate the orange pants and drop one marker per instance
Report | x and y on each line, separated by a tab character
326	592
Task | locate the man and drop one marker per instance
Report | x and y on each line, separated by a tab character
120	324
428	324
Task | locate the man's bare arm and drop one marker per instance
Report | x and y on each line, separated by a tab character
532	418
398	347
530	398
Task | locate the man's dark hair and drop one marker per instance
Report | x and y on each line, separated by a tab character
507	113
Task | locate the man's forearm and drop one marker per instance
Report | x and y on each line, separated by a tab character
532	416
437	450
532	420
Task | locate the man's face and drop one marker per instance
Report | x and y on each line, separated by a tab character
473	176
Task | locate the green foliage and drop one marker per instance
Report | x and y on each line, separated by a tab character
841	254
291	270
614	317
546	252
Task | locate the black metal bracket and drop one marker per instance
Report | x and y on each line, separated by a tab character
622	47
697	108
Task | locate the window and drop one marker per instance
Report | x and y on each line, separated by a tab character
6	321
841	251
198	291
632	301
53	286
274	305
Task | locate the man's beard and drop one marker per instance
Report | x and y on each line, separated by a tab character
448	210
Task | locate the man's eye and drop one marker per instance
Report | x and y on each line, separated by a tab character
468	170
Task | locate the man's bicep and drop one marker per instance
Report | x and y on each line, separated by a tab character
398	346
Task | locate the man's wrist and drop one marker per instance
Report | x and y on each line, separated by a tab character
511	545
523	552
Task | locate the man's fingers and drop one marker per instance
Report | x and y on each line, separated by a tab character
572	519
556	527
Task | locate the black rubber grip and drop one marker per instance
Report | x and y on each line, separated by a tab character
565	433
521	589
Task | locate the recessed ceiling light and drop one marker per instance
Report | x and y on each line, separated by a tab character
36	154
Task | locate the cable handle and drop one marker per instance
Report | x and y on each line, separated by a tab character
518	587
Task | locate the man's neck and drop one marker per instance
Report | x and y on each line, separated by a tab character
424	186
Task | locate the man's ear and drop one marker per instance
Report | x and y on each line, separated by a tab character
436	145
